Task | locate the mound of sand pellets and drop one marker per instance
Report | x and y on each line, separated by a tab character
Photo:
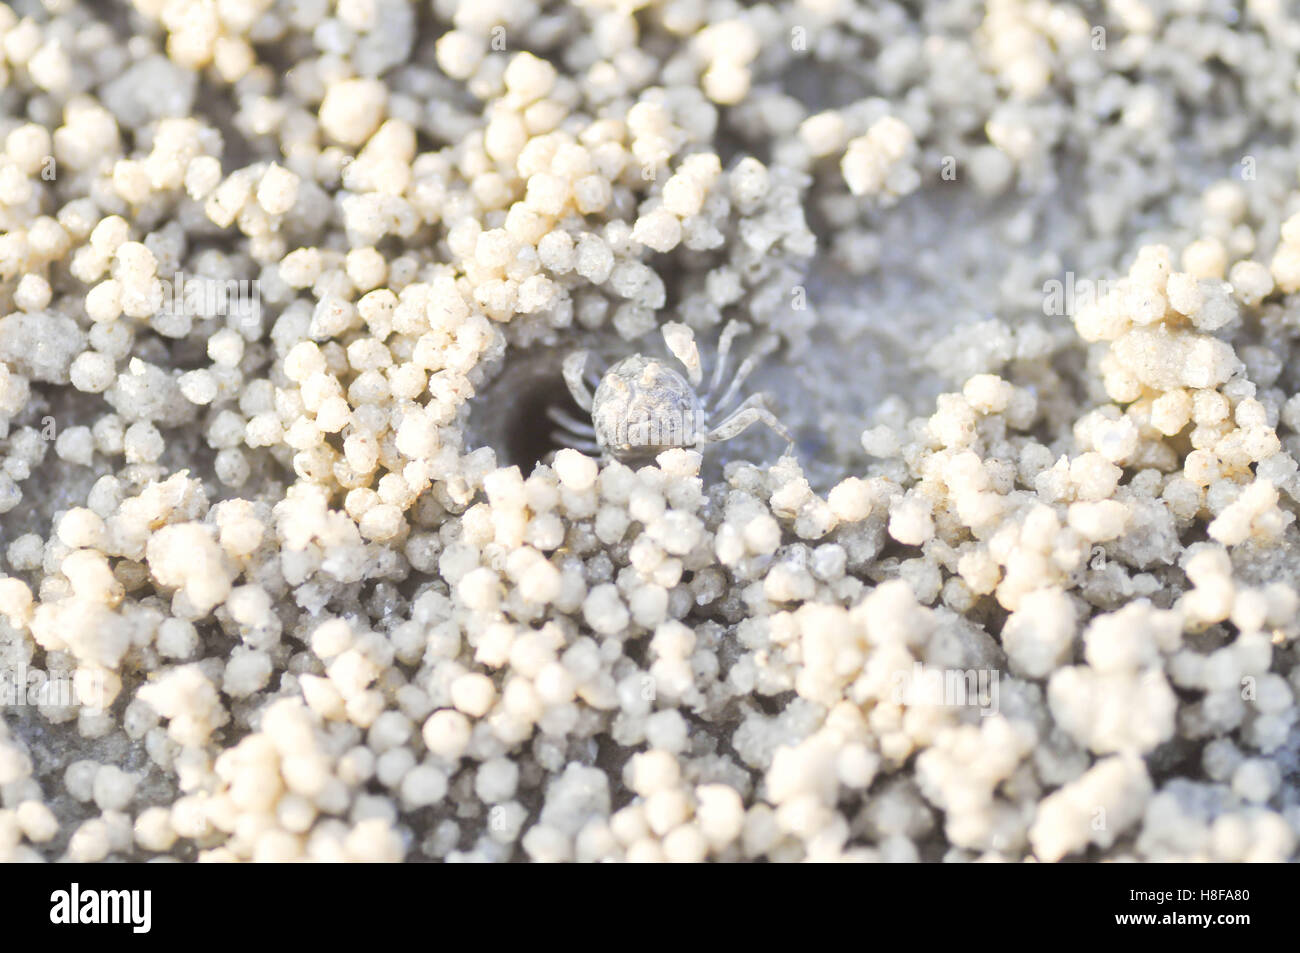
292	565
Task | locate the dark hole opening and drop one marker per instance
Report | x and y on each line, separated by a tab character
532	436
511	415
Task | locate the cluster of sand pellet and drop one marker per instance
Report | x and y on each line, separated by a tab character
278	278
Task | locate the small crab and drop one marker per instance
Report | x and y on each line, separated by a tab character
642	407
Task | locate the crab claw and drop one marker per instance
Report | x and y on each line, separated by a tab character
573	369
681	341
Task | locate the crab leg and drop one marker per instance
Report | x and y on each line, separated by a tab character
589	447
570	423
752	410
729	333
742	373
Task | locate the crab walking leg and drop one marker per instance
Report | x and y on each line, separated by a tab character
752	411
681	341
570	423
589	447
729	333
742	373
573	369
